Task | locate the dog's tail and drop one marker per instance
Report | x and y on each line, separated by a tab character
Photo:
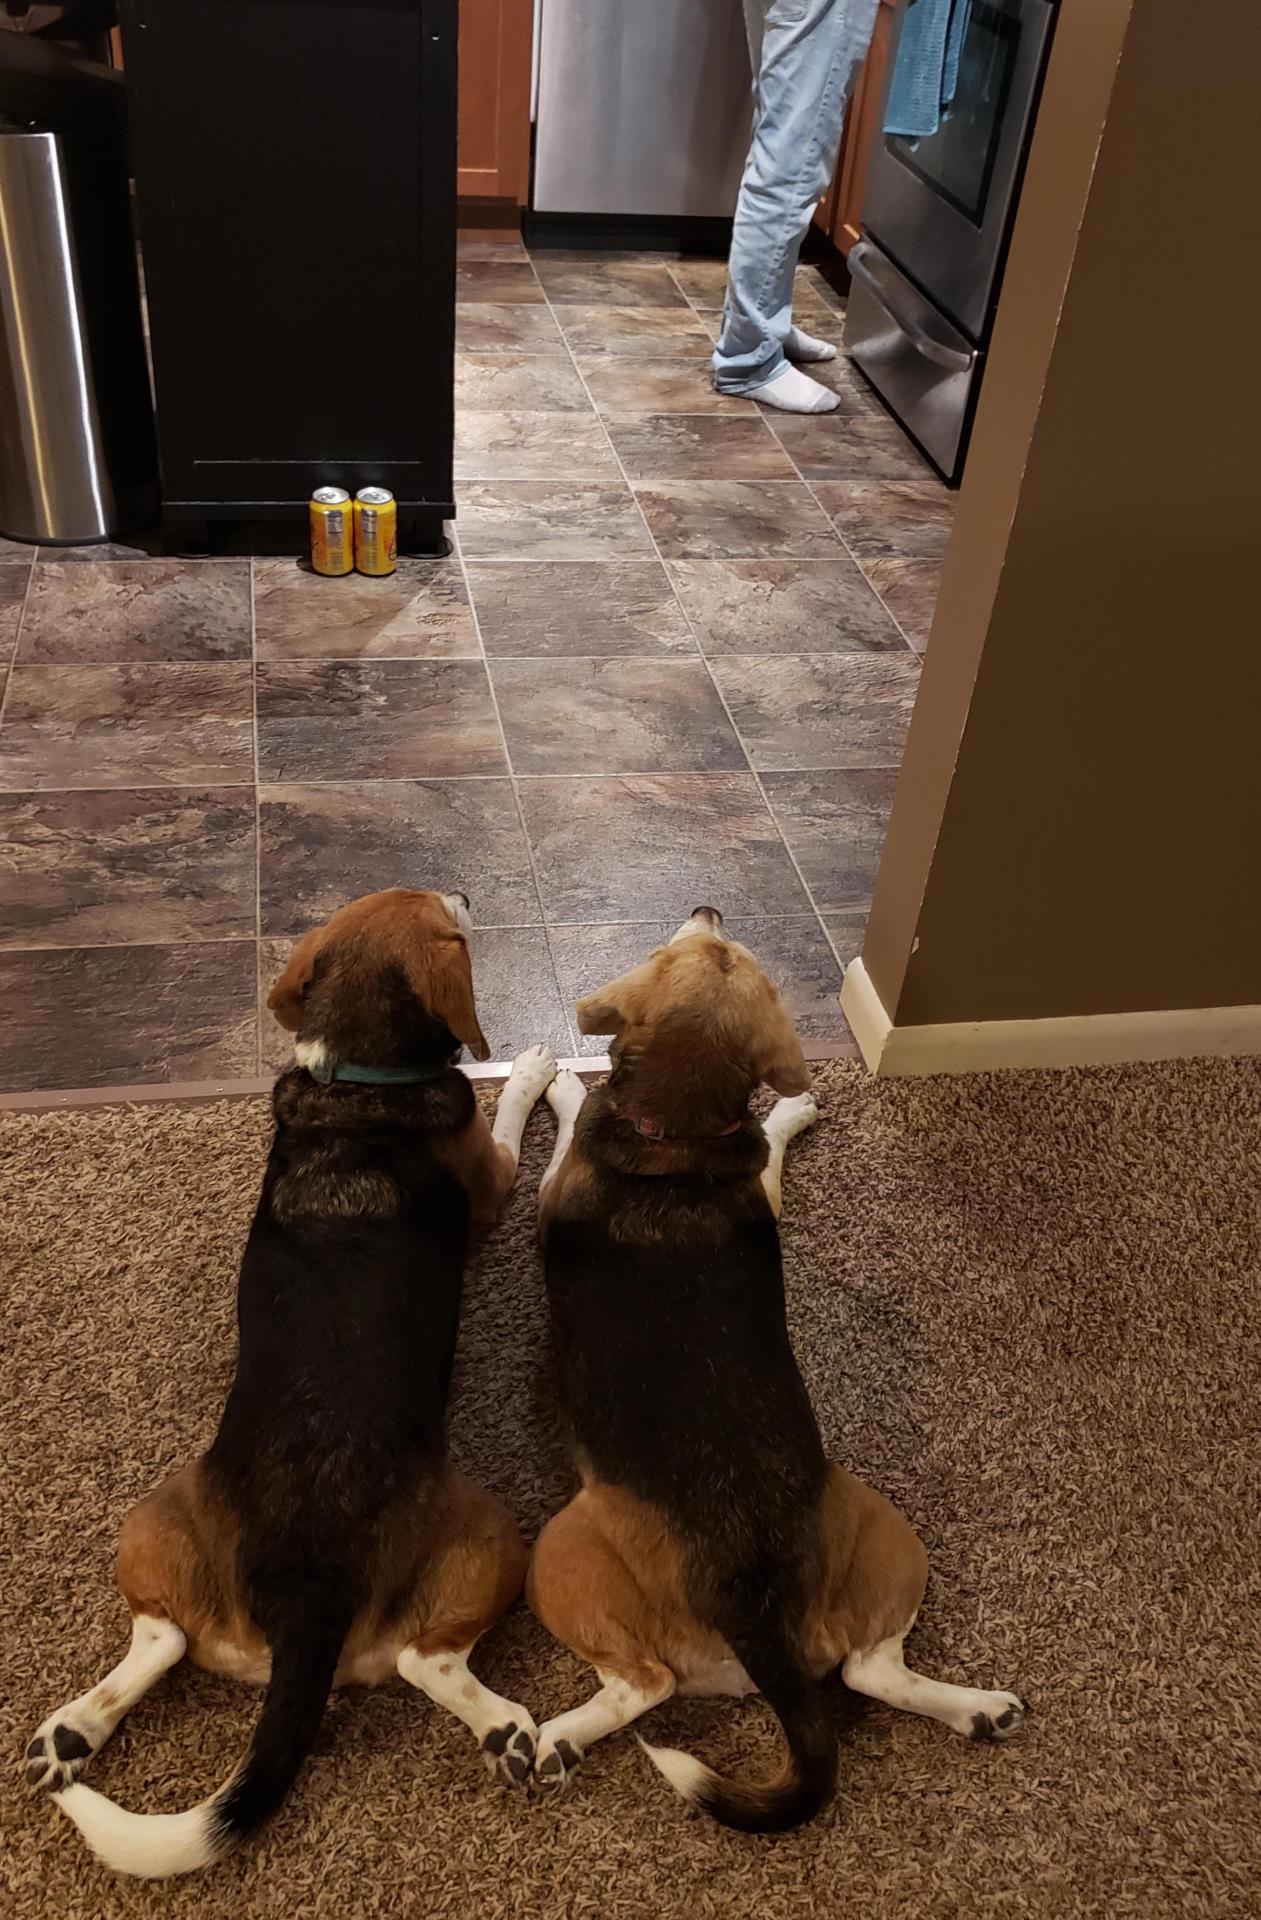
305	1650
807	1781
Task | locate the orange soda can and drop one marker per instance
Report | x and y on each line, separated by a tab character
376	531
332	531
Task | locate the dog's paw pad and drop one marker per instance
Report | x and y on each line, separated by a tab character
57	1755
556	1768
508	1752
1001	1720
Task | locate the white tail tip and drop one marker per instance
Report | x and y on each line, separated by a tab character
686	1774
151	1846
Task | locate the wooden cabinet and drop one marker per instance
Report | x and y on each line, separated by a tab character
840	211
496	44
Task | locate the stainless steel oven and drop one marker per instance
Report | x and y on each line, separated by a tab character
937	219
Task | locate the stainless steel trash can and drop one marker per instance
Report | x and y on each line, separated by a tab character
78	460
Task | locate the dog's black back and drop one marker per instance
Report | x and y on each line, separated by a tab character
348	1309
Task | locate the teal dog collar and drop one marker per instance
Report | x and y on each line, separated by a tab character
330	1070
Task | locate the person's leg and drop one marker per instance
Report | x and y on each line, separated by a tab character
809	51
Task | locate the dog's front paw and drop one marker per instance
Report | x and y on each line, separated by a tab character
1003	1715
556	1764
508	1750
565	1095
792	1115
533	1071
58	1754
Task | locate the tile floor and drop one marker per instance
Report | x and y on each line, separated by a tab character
671	659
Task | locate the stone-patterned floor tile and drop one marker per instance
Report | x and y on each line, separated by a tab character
375	719
518	383
128	1016
535	520
323	845
649	848
834	824
783	606
698	446
536	608
597	281
506	326
636	332
420	612
485	243
846	932
849	446
514	985
518	1000
704	282
909	590
532	446
613	716
14	575
97	869
166	725
11	550
677	385
794	953
890	519
820	710
735	519
492	278
132	610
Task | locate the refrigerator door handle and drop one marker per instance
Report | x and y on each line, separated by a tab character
861	263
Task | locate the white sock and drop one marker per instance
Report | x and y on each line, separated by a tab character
805	348
794	392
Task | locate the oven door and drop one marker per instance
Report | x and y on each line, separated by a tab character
941	206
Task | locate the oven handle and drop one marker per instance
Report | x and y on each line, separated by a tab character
953	358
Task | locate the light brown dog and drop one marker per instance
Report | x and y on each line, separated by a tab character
712	1548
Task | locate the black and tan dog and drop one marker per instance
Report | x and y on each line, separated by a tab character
713	1548
323	1538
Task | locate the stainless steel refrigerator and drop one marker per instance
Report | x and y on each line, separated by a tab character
641	106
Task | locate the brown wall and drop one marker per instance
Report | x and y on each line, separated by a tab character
1077	825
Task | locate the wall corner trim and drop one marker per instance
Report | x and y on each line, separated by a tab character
1073	1040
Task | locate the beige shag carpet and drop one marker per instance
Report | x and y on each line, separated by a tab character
1027	1307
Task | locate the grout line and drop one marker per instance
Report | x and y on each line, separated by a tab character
109	946
809	486
448	779
17	640
704	656
512	778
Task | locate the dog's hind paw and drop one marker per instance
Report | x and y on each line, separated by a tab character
508	1751
1003	1716
556	1765
57	1755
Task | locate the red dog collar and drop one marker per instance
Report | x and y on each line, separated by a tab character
653	1130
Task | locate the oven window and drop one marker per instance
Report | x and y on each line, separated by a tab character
958	160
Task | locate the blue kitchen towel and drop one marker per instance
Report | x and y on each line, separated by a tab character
926	71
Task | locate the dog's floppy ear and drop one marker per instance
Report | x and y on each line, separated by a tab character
611	1008
778	1058
442	975
285	998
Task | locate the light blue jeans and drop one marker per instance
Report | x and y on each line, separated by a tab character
806	54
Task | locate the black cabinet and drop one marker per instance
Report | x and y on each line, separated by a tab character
295	176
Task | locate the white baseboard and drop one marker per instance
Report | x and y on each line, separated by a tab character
1076	1040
